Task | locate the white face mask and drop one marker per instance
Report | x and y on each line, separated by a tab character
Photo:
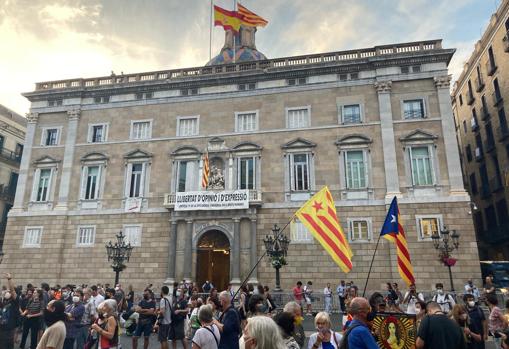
117	288
75	299
7	295
417	309
440	291
178	293
471	304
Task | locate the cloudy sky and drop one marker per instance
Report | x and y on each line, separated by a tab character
43	40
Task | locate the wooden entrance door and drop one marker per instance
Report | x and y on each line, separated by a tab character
213	260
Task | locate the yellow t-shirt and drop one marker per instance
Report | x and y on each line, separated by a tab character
53	337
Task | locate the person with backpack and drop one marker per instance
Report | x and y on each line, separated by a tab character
445	300
358	335
477	319
9	314
163	323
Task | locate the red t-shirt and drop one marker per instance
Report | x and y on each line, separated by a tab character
297	293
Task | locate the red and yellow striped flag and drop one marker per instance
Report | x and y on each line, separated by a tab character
206	171
319	216
250	18
393	231
229	20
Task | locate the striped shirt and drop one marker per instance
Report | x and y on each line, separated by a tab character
34	306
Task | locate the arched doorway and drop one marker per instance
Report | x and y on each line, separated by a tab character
213	259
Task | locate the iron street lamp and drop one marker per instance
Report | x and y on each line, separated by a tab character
445	243
277	248
118	253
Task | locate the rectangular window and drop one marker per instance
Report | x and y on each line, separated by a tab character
85	236
428	225
187	175
187	126
132	234
468	153
91	178
246	173
300	172
19	151
298	117
136	181
182	175
465	126
299	233
413	109
97	133
51	136
358	230
44	184
141	129
473	184
55	102
32	237
246	122
355	167
351	114
421	166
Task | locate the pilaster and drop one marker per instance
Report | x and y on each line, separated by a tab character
236	252
188	252
253	258
172	254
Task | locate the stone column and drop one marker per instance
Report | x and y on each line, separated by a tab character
25	162
188	251
388	144
236	252
449	135
172	254
253	258
70	142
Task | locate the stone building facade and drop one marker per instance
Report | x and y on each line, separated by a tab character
12	136
480	105
122	152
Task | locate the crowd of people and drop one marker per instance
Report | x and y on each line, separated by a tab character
93	317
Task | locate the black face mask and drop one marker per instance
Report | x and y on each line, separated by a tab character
51	317
146	296
101	316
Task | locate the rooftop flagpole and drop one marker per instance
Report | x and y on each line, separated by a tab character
211	25
235	36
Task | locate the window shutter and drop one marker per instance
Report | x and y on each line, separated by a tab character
98	182
128	174
37	176
292	174
143	179
84	178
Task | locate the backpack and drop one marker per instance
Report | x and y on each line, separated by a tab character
447	299
344	340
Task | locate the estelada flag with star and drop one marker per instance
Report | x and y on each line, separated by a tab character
319	215
393	231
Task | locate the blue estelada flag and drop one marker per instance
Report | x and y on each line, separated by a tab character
393	231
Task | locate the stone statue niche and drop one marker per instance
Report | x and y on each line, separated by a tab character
216	176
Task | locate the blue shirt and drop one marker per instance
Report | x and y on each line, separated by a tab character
231	330
360	337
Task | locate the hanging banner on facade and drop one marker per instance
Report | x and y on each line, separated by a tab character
212	200
133	205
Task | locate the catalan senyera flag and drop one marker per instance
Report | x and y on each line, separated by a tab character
393	231
206	171
319	215
227	19
250	18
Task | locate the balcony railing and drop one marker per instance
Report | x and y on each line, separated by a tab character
10	156
505	40
503	132
495	184
479	84
497	98
485	114
255	198
491	68
7	192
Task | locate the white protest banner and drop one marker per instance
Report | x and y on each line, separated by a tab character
212	200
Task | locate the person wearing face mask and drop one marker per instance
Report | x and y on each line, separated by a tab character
470	288
54	317
411	298
146	308
477	320
298	331
106	325
358	335
177	328
420	312
88	318
445	300
32	314
74	314
9	314
459	314
228	324
324	337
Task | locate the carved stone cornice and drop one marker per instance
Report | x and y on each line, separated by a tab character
442	81
383	86
74	114
32	118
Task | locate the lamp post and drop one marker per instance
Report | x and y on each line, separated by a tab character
118	253
445	243
277	247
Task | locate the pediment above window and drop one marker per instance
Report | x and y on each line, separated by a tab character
246	146
138	154
186	150
95	157
299	143
418	135
216	144
46	160
354	139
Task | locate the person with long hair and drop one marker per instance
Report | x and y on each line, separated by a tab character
33	315
261	332
106	325
459	314
497	323
393	340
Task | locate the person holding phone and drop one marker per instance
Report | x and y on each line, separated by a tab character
324	338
